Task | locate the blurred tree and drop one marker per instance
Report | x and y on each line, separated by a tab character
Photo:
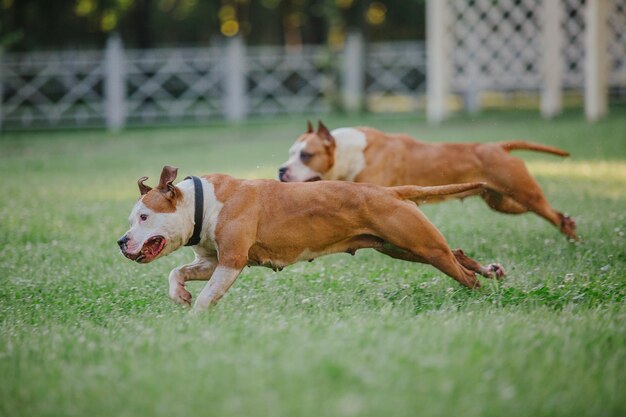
142	23
48	24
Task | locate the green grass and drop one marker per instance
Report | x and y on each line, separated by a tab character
85	332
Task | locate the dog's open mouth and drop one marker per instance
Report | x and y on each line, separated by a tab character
150	250
314	179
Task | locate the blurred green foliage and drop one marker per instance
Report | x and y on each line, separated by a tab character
53	24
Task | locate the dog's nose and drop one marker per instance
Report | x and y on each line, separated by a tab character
122	242
281	172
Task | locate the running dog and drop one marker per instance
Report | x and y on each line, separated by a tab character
368	155
232	223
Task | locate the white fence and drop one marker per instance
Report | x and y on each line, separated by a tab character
544	46
63	88
172	85
474	46
499	45
118	87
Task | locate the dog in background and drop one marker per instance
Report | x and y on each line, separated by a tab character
364	154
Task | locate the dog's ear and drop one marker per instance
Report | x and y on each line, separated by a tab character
168	175
143	188
324	133
166	186
309	127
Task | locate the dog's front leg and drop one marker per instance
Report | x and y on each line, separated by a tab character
199	270
220	282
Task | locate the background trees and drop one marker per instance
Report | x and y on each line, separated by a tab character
53	24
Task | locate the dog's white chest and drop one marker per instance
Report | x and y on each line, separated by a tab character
349	154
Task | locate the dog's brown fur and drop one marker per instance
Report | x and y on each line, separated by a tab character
274	224
264	222
398	159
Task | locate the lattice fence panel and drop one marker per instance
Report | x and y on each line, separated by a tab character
396	68
495	44
573	43
173	85
574	38
280	81
52	89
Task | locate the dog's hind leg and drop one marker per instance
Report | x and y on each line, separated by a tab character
532	198
490	271
412	237
521	192
500	202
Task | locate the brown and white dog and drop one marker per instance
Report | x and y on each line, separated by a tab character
274	224
368	155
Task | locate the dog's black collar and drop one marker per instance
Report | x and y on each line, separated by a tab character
198	209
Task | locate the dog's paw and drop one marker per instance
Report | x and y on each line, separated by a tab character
181	296
568	227
496	270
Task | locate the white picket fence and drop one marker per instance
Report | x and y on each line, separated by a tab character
118	87
540	46
52	88
474	46
499	46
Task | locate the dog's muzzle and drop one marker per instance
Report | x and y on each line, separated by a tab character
121	242
282	172
150	249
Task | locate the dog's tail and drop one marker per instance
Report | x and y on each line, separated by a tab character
437	192
514	145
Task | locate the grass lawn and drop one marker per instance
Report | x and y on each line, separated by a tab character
85	332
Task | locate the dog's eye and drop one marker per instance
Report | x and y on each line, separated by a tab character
143	217
305	156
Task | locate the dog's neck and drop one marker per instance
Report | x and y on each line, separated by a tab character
211	209
185	209
349	158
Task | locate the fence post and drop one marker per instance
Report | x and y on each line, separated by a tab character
438	61
552	59
596	94
353	73
234	71
114	84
